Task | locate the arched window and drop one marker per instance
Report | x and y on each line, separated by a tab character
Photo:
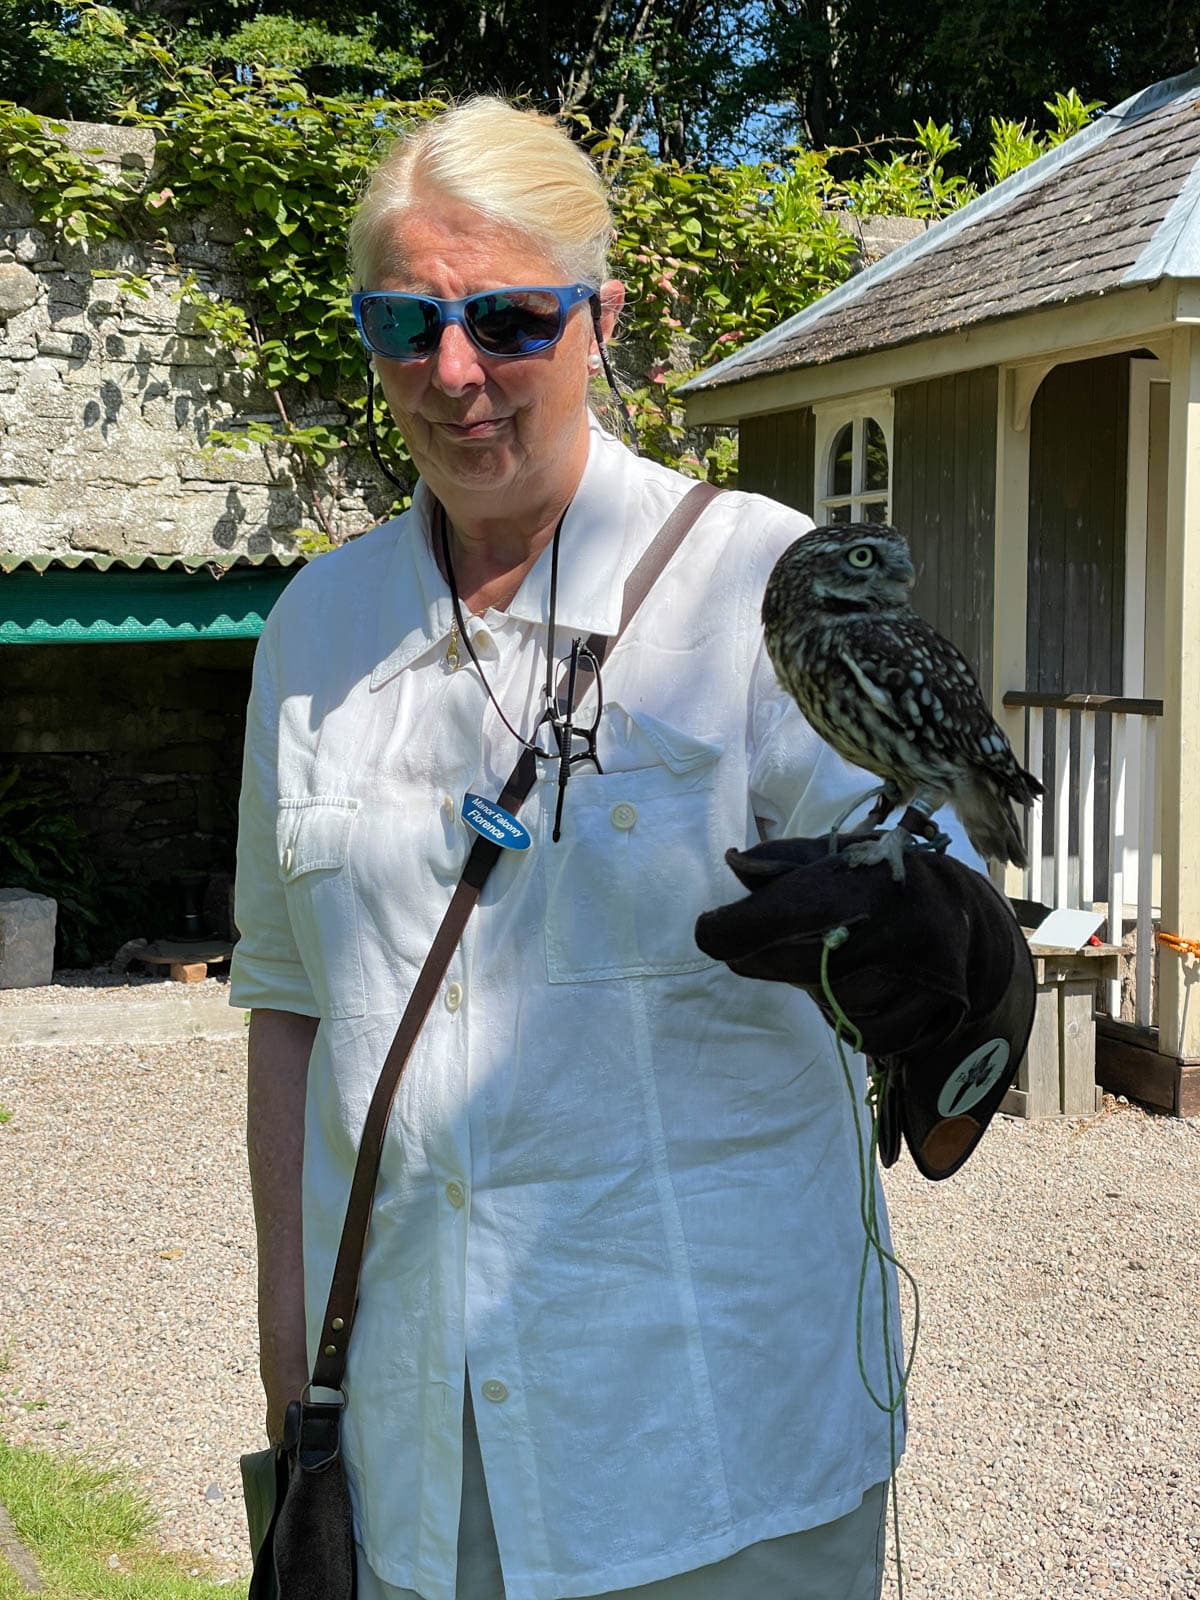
853	462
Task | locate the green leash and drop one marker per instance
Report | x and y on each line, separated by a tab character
844	1029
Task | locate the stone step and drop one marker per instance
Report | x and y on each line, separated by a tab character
176	1014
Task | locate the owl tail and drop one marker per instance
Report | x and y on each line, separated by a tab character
990	822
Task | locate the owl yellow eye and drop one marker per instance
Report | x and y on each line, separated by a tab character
861	556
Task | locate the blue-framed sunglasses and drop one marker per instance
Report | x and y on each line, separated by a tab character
519	321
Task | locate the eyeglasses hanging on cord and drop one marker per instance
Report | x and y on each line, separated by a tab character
559	714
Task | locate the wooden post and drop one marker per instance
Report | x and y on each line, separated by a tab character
1179	756
1057	1076
1011	560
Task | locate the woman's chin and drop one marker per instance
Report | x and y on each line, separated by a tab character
477	464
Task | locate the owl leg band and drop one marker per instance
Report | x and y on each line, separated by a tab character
935	974
918	821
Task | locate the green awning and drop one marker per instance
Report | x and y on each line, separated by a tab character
99	599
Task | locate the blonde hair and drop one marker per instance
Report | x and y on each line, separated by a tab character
514	167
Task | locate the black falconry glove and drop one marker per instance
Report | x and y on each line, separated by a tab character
934	972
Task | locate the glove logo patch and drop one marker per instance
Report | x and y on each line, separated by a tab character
973	1077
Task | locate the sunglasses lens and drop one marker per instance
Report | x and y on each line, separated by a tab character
514	324
400	328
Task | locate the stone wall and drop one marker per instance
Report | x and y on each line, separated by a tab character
106	399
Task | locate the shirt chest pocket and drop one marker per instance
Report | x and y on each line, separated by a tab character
634	867
313	838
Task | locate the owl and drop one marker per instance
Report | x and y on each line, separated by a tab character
885	689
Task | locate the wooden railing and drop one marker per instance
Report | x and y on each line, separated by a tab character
1092	838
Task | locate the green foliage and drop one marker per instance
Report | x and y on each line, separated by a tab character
87	61
1070	115
42	849
710	260
847	71
711	257
288	166
1014	145
698	80
64	189
88	1528
307	48
92	60
912	181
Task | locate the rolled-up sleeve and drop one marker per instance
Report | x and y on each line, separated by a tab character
267	972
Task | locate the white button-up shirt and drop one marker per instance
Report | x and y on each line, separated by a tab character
620	1184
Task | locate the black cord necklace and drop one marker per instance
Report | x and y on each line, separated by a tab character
464	635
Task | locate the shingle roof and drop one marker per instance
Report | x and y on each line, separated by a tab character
215	565
1116	205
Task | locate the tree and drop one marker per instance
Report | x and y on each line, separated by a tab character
697	80
838	72
86	61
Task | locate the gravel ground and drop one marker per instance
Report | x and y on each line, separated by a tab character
1055	1451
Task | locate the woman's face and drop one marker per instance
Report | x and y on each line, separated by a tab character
513	430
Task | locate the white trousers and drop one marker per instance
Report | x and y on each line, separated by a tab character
840	1560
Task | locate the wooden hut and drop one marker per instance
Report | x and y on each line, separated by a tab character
1018	390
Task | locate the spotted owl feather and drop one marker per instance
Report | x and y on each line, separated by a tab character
885	689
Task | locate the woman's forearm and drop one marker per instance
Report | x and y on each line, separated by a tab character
280	1045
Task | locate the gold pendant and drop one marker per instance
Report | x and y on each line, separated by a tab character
453	659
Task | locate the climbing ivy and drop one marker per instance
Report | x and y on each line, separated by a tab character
710	258
64	189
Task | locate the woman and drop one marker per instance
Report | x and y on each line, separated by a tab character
609	1297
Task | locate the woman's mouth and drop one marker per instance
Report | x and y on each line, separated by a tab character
485	428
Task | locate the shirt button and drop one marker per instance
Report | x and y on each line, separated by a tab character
454	996
494	1391
624	815
289	855
456	1195
481	638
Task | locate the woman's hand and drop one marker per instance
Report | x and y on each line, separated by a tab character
933	974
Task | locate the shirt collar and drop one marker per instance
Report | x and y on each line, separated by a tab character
596	550
593	548
415	611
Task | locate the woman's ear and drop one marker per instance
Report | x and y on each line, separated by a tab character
612	299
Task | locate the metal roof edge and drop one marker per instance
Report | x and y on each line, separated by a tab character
994	199
1174	247
105	561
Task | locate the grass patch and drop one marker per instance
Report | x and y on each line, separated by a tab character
75	1519
5	1115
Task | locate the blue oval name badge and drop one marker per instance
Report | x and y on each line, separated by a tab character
494	823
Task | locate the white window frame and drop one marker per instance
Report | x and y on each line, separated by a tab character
829	420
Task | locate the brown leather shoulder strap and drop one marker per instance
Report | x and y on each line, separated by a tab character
330	1366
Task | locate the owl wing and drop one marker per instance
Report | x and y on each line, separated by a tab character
924	688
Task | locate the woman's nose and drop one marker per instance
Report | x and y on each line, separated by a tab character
456	361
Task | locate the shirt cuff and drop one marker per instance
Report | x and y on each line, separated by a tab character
257	983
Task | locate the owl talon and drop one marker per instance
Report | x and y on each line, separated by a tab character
887	849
